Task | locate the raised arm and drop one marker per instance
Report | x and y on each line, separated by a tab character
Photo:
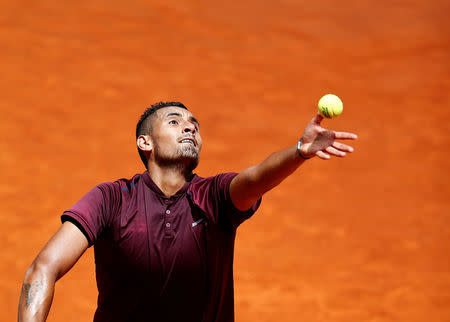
57	257
249	185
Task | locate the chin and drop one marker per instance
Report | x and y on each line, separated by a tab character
189	152
187	158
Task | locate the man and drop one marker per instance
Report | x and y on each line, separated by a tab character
164	239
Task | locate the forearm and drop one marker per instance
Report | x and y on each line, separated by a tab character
258	179
37	294
273	170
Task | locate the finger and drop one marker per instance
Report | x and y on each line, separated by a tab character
345	136
317	119
335	152
342	147
322	155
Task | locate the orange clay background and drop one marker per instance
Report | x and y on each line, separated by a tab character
365	238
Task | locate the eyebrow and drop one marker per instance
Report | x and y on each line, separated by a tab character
192	119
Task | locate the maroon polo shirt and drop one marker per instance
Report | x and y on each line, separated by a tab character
159	258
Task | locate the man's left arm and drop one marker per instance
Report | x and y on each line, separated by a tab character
249	185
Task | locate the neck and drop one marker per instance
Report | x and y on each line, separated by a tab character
169	179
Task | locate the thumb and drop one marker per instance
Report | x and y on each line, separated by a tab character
317	119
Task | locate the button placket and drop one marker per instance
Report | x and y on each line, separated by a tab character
167	220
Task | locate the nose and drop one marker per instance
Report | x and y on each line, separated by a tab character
189	128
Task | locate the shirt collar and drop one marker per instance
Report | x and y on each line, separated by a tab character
152	185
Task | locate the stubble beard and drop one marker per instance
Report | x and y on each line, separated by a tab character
186	158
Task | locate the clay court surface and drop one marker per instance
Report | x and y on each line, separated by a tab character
366	238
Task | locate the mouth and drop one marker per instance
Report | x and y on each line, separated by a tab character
189	141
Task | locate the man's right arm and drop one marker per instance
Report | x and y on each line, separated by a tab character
57	257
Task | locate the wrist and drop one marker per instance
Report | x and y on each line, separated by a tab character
299	149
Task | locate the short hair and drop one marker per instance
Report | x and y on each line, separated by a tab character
144	125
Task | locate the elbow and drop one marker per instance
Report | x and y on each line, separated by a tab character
39	269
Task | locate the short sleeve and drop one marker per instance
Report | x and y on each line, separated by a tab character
225	204
92	214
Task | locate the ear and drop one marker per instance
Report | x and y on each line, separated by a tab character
144	143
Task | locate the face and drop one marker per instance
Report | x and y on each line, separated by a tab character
176	137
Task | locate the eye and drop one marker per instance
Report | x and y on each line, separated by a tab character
173	122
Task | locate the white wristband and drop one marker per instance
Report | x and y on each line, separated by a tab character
299	144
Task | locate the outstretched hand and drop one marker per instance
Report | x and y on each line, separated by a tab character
321	142
253	182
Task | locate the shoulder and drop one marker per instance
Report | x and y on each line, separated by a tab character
125	185
122	184
200	184
119	188
212	191
218	178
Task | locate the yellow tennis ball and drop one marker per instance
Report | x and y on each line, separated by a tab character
330	106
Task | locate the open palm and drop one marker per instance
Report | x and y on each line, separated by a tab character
321	142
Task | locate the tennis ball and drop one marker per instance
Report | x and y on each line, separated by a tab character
330	106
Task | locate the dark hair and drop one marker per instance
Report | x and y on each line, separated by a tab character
144	125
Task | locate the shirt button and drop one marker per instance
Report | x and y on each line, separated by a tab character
168	225
168	212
